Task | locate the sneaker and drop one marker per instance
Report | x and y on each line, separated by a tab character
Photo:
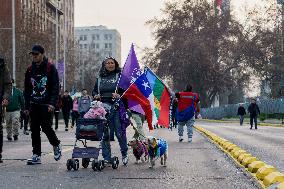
66	129
189	140
180	139
9	138
34	160
57	152
125	160
15	137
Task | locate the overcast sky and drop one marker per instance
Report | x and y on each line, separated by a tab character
129	17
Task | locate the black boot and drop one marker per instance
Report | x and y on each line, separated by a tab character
1	161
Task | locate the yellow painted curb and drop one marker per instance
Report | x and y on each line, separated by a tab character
264	171
238	153
272	178
243	156
234	150
230	148
248	161
280	186
254	166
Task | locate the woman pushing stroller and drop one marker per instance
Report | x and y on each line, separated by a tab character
105	91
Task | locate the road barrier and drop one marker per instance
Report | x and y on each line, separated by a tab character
266	175
267	106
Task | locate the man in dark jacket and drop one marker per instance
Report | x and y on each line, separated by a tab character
67	104
254	111
241	113
5	92
41	96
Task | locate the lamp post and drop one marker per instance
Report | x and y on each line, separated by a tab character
14	39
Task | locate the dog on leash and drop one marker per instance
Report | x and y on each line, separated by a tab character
157	148
140	150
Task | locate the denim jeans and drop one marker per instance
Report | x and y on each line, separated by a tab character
241	119
253	119
189	124
122	140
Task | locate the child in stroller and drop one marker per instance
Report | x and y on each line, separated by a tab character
92	127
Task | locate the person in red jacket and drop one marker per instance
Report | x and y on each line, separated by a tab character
188	108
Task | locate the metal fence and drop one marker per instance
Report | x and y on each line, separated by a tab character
267	106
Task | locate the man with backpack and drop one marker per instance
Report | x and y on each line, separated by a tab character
188	108
41	95
5	92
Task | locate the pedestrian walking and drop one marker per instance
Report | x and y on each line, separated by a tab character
84	103
67	104
241	113
5	93
24	121
16	103
75	111
188	107
254	111
56	113
139	120
105	90
41	96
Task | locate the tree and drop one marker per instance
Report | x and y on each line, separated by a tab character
199	47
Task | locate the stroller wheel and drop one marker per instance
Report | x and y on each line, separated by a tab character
85	162
75	164
94	165
115	162
69	164
100	165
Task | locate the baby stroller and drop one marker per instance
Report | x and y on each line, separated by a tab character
92	130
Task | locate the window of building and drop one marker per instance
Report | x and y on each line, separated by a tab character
110	45
85	38
106	45
106	36
97	46
85	46
81	38
110	37
98	37
94	37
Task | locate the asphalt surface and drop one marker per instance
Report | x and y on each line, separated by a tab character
265	143
196	165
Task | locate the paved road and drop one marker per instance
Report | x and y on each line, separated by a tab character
198	165
266	143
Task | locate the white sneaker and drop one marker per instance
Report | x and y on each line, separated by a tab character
34	160
125	160
189	140
180	139
57	152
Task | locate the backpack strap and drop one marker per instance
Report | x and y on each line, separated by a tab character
99	82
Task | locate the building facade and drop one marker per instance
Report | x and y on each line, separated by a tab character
36	23
99	41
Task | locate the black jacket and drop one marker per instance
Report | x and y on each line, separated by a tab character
241	111
41	84
67	103
253	109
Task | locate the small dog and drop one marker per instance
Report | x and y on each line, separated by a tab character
97	111
157	148
139	149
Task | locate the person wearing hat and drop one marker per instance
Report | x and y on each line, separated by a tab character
66	107
41	95
254	111
5	93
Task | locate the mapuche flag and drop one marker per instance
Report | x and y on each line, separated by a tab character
141	92
162	98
